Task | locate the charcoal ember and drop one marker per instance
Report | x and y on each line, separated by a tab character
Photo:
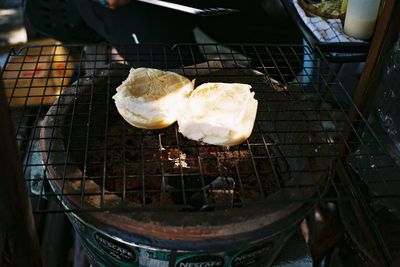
220	192
187	190
143	190
178	158
204	166
158	171
227	159
212	160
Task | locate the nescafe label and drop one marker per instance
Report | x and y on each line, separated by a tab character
201	261
251	255
115	249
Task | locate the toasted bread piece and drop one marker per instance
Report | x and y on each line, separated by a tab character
219	114
151	98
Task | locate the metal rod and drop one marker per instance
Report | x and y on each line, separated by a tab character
380	254
19	245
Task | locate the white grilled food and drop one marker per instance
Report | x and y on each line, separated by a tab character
151	98
219	114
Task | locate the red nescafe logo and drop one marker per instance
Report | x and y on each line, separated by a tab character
201	261
115	249
251	255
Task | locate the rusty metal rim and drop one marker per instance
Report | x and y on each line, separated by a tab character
163	231
189	237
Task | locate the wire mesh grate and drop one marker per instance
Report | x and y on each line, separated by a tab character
35	76
78	151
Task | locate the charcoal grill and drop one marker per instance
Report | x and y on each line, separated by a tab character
175	177
157	191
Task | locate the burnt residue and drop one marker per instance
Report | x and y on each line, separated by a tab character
151	168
